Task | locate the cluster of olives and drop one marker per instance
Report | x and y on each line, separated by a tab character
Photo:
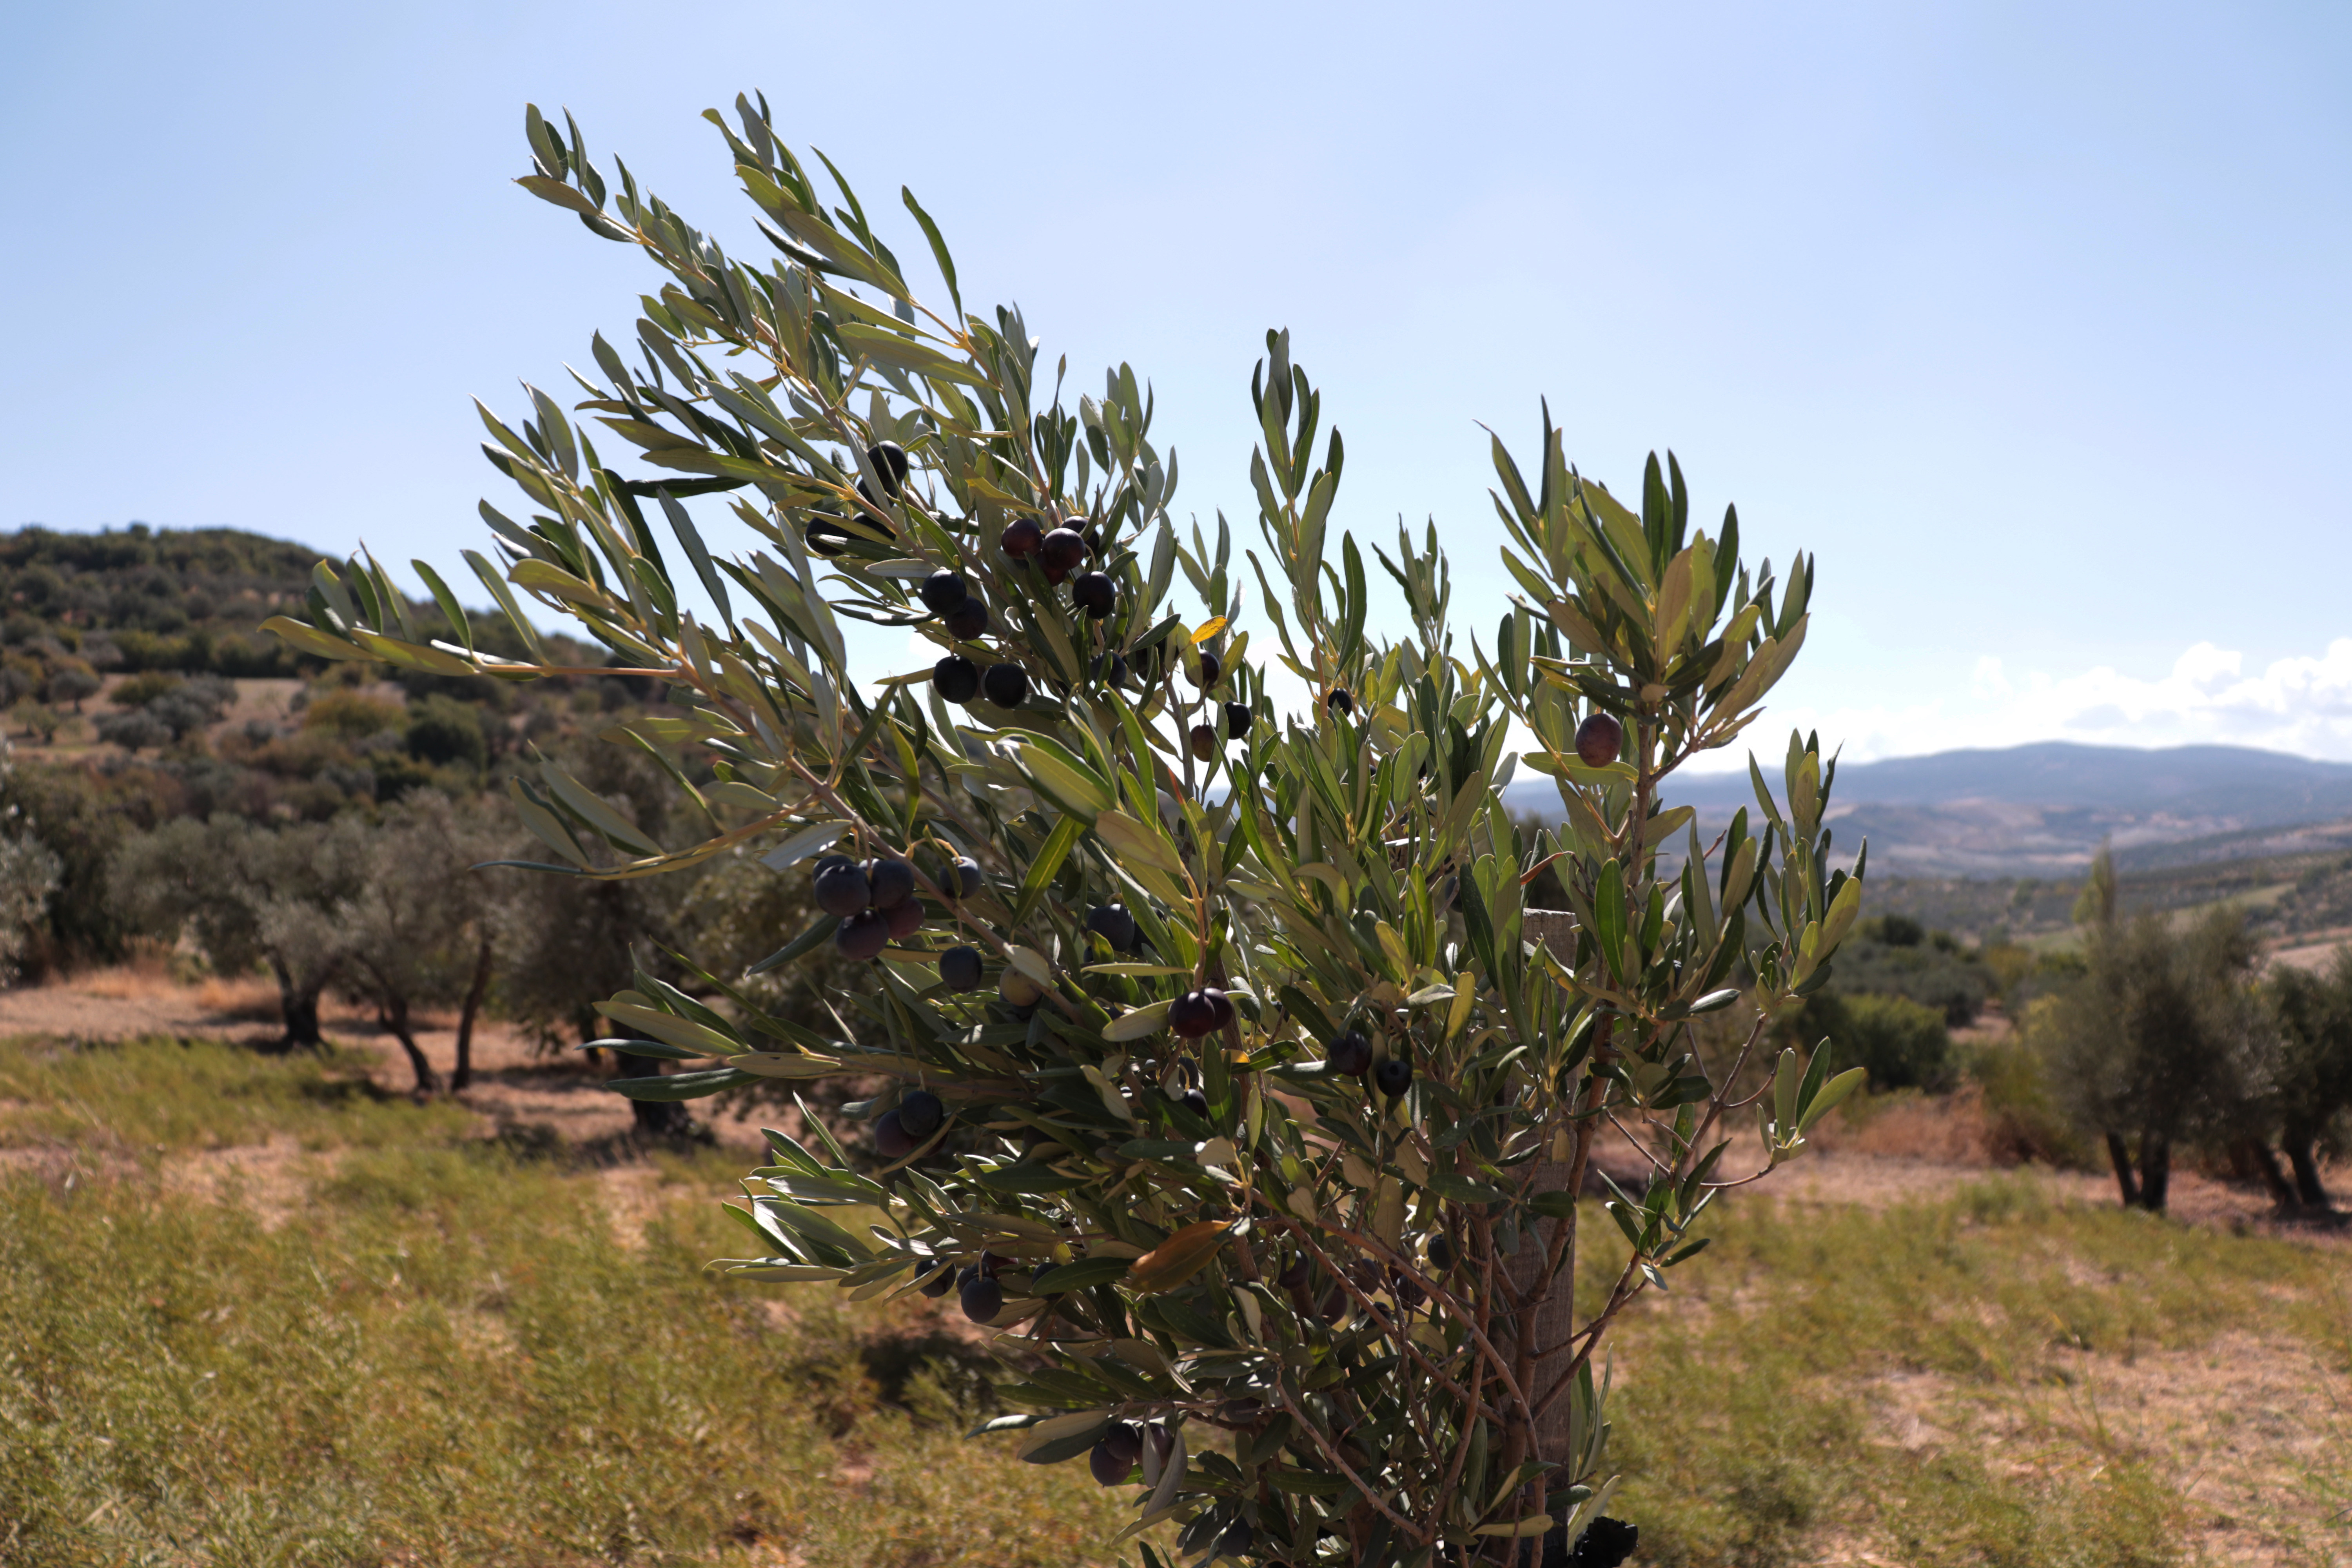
1351	1053
875	900
955	678
978	1290
1202	738
1058	552
1119	1450
899	1131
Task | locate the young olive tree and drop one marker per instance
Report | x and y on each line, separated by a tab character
1223	1062
2162	1041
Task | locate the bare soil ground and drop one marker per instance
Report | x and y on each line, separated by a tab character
1916	1148
515	1082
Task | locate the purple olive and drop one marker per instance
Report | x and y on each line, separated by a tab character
891	1139
1350	1053
943	591
960	969
1114	924
889	461
967	620
1005	685
1193	1015
956	678
892	880
862	935
1021	537
983	1300
1094	594
1598	740
1063	550
920	1113
841	886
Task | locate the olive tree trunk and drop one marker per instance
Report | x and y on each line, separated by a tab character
2155	1170
297	1004
2119	1156
2305	1163
2256	1158
461	1072
391	1013
1540	1332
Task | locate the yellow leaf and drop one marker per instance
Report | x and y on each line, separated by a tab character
1535	1524
1207	629
782	1064
1178	1258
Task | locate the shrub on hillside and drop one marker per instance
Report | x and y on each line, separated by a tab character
1896	956
140	689
353	715
443	731
1900	1043
2025	1117
70	680
135	731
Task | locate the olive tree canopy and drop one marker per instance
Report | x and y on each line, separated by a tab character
1224	1066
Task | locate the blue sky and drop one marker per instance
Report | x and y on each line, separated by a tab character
2031	320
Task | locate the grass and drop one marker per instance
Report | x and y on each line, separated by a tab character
1927	1381
443	1352
161	1097
447	1357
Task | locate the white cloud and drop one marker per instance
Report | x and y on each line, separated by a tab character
2300	705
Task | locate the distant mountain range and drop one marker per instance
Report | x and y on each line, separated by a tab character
2042	810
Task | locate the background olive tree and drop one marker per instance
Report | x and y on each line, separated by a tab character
2311	1013
1222	1059
420	927
247	895
2162	1043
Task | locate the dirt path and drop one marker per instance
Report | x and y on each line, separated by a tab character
515	1082
1915	1152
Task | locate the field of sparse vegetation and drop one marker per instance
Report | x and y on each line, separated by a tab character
257	1309
270	1309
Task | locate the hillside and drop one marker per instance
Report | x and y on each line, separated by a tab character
138	598
2042	810
138	691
